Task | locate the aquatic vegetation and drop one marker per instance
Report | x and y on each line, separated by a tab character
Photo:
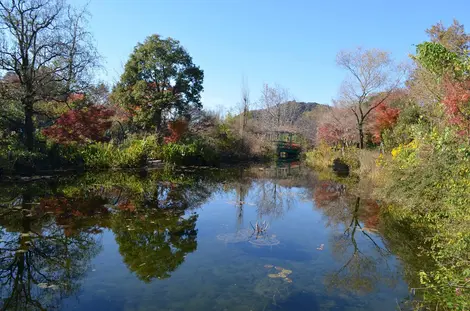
260	228
274	275
282	274
264	241
274	290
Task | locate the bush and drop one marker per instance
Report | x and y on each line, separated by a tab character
98	155
428	179
132	153
195	152
322	156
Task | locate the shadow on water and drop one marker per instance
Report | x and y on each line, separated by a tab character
51	233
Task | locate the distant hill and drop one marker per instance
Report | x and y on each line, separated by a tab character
295	109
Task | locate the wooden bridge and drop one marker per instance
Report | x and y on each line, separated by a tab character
287	144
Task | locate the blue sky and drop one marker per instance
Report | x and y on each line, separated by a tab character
289	42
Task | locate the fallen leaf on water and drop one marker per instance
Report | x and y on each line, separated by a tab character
268	266
274	275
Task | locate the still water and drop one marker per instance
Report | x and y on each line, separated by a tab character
184	240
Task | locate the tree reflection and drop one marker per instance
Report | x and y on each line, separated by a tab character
363	256
153	244
40	262
155	234
277	189
50	231
272	199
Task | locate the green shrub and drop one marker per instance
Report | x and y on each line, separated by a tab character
428	178
132	153
322	156
98	155
195	152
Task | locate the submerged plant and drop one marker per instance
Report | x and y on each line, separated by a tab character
260	228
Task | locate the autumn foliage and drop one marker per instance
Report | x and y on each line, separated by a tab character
176	131
384	118
457	104
337	126
74	215
81	126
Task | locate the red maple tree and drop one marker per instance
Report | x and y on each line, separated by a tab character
177	129
457	104
81	126
384	117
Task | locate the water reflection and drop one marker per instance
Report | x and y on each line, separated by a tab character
364	256
49	234
52	231
154	243
41	261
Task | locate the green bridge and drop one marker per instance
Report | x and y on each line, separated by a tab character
287	144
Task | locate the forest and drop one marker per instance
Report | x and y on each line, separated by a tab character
403	129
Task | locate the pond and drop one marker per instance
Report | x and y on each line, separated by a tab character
183	239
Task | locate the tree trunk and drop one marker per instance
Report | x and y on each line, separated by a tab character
361	136
158	125
28	124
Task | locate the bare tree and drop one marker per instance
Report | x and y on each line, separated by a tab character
46	45
373	76
279	110
337	126
244	106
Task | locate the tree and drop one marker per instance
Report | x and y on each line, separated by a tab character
177	129
279	111
425	82
159	80
46	45
244	107
372	78
385	117
457	105
452	38
81	126
337	126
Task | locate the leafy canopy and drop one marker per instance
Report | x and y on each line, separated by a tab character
159	80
